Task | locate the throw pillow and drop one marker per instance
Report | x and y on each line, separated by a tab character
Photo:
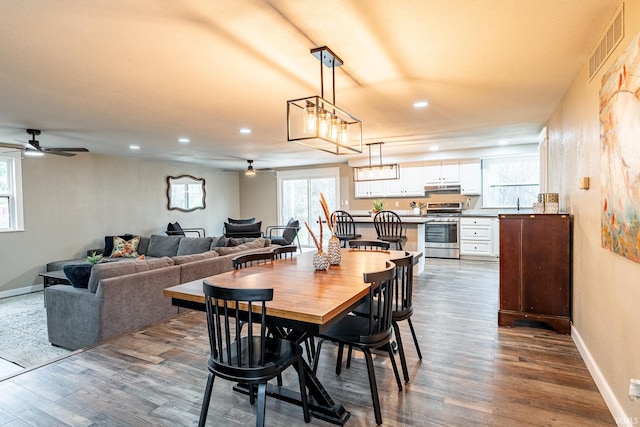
78	274
108	243
241	221
219	242
125	248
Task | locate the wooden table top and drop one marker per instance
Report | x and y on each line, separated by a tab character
301	293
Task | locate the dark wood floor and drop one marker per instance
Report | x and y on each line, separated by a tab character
472	374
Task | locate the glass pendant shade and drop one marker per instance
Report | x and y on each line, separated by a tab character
377	172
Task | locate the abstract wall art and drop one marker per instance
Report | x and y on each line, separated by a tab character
620	154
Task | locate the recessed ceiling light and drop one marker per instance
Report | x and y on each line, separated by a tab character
134	147
503	142
245	130
184	140
434	148
420	104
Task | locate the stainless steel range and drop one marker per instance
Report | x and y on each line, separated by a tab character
442	230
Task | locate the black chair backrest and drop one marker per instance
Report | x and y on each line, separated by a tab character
380	316
344	224
403	285
369	245
387	224
233	345
284	251
247	260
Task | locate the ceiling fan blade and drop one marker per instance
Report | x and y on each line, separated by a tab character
57	153
52	149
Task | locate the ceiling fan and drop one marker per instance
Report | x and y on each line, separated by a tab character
252	171
34	145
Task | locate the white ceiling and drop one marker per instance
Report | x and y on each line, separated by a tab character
108	74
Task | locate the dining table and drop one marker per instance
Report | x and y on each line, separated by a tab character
306	302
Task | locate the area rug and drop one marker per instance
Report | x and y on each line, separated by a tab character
23	331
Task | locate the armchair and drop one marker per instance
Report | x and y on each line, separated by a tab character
284	235
176	230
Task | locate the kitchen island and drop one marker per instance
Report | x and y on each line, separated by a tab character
413	228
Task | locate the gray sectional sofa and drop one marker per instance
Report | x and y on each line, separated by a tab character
127	295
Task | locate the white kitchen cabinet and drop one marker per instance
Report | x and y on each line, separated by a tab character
441	172
470	177
477	237
411	182
365	189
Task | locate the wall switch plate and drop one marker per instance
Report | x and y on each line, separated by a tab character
584	183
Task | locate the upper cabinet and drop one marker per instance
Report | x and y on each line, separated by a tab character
470	177
441	172
411	182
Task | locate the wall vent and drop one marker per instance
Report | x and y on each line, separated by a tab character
609	41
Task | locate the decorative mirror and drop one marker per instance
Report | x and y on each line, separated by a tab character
185	193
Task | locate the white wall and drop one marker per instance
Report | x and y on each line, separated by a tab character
606	290
70	204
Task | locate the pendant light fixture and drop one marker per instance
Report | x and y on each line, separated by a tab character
317	123
250	170
376	172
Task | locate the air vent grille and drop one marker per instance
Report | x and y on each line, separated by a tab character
609	41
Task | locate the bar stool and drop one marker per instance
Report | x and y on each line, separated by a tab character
345	227
389	228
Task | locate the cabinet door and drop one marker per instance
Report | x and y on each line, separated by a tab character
510	263
495	237
450	172
364	189
412	180
470	177
545	265
432	173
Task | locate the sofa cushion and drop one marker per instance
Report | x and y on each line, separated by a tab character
108	243
160	246
114	269
125	248
218	242
194	245
183	259
243	230
237	241
143	246
78	274
241	221
256	244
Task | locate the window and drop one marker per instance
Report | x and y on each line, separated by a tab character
10	192
299	198
510	181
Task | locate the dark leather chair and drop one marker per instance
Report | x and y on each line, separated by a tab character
284	235
248	356
345	227
388	227
369	245
367	333
176	229
402	307
248	260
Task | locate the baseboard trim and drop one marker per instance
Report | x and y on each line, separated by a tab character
614	406
21	291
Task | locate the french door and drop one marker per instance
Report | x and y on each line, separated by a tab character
299	198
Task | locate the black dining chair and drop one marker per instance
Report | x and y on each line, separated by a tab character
246	355
366	333
369	245
280	252
247	260
345	227
402	307
388	227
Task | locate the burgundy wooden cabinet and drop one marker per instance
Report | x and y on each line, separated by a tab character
535	270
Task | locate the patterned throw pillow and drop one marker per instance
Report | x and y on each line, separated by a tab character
125	248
